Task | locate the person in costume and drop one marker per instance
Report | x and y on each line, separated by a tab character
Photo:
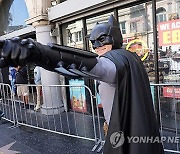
124	86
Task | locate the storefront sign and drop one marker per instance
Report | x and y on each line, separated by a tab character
169	32
138	46
171	92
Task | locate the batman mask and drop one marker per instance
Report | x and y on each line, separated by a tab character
107	34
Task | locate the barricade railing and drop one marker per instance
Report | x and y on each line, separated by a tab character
80	119
166	99
7	103
77	119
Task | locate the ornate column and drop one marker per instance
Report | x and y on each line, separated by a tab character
52	99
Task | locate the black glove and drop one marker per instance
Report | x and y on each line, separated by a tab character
21	52
18	52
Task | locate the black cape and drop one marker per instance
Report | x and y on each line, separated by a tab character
132	113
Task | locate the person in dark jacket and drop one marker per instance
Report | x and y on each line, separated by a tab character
124	88
22	88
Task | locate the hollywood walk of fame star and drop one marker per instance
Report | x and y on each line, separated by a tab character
5	149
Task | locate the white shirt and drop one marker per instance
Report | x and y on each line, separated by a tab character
37	75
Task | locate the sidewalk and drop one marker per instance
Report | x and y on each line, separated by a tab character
26	140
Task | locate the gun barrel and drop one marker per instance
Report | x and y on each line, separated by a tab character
72	50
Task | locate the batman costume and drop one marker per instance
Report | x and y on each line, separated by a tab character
132	113
129	112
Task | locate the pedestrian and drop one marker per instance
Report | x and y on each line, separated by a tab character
37	81
12	78
22	88
124	86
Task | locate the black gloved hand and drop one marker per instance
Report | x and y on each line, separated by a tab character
18	52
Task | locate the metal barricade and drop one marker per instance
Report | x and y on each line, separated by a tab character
7	103
54	115
166	99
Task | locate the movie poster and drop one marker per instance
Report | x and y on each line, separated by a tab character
77	95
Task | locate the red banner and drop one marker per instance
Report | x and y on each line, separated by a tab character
171	92
169	32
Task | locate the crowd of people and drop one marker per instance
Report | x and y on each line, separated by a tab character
18	77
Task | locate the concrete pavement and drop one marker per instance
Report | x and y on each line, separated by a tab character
26	140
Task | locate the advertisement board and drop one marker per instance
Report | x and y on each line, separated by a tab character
171	92
169	32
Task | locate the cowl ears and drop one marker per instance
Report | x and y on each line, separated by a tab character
112	21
